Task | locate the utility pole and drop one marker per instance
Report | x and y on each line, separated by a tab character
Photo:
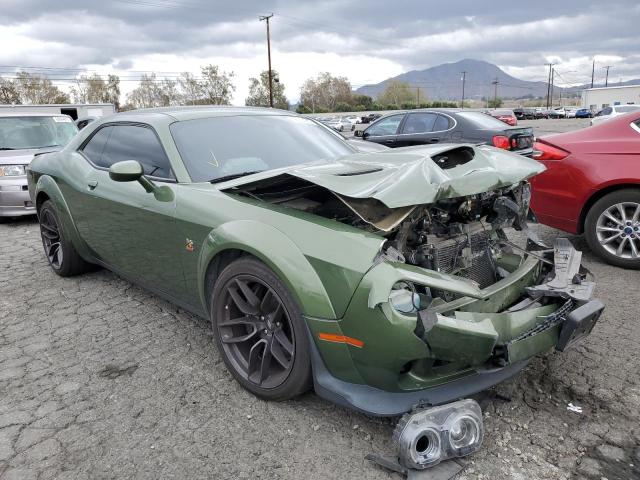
593	71
464	79
553	74
267	17
495	92
549	83
606	79
418	97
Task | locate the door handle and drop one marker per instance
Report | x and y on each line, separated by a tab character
433	140
389	141
92	184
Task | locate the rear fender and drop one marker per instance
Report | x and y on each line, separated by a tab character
47	185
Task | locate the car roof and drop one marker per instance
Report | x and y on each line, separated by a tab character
195	112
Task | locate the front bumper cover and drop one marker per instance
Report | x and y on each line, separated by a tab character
488	347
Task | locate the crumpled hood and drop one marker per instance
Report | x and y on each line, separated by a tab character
409	176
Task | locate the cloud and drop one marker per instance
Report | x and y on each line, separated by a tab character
364	41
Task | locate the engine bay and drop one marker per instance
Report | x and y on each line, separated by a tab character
459	236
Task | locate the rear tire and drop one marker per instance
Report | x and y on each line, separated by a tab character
260	332
612	228
60	252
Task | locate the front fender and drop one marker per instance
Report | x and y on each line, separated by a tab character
278	252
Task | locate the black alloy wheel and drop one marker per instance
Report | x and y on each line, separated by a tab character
259	331
60	252
50	233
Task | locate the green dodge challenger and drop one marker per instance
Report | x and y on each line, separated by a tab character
383	280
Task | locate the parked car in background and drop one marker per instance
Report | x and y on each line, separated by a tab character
22	136
525	113
570	112
558	112
504	115
608	113
541	113
83	122
339	124
369	118
592	186
421	127
584	113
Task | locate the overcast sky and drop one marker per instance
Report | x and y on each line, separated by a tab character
365	40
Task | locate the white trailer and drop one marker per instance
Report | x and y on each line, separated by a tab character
75	111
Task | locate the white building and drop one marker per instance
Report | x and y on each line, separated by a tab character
599	98
75	111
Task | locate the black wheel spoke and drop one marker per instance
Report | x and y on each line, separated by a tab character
249	294
226	338
279	355
246	320
242	304
255	360
282	339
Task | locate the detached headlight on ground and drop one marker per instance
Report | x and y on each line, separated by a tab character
426	437
11	170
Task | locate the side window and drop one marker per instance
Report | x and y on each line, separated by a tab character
442	123
419	123
386	126
606	111
133	142
93	149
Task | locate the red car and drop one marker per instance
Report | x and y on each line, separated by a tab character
592	186
504	115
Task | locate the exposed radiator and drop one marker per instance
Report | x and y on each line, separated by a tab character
450	257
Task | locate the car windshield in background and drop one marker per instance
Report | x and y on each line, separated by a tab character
217	147
481	120
628	108
21	133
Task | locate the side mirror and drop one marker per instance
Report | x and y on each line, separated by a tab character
130	171
127	171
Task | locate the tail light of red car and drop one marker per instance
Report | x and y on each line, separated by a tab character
544	151
501	141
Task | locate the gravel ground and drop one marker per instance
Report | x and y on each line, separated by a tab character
101	379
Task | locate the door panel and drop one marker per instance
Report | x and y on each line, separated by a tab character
384	131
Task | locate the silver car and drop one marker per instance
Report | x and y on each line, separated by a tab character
23	135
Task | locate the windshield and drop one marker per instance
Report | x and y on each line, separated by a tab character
225	146
21	133
480	120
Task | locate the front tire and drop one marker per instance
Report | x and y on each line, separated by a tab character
612	228
260	332
60	252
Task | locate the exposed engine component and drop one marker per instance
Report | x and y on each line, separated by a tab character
459	236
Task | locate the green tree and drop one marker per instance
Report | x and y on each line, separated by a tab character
494	102
95	89
9	94
397	93
38	90
190	89
325	92
216	86
259	91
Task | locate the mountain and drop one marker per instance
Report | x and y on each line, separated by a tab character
444	82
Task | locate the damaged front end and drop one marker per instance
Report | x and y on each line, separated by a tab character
450	305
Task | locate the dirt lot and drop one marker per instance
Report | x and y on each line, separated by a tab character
101	379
